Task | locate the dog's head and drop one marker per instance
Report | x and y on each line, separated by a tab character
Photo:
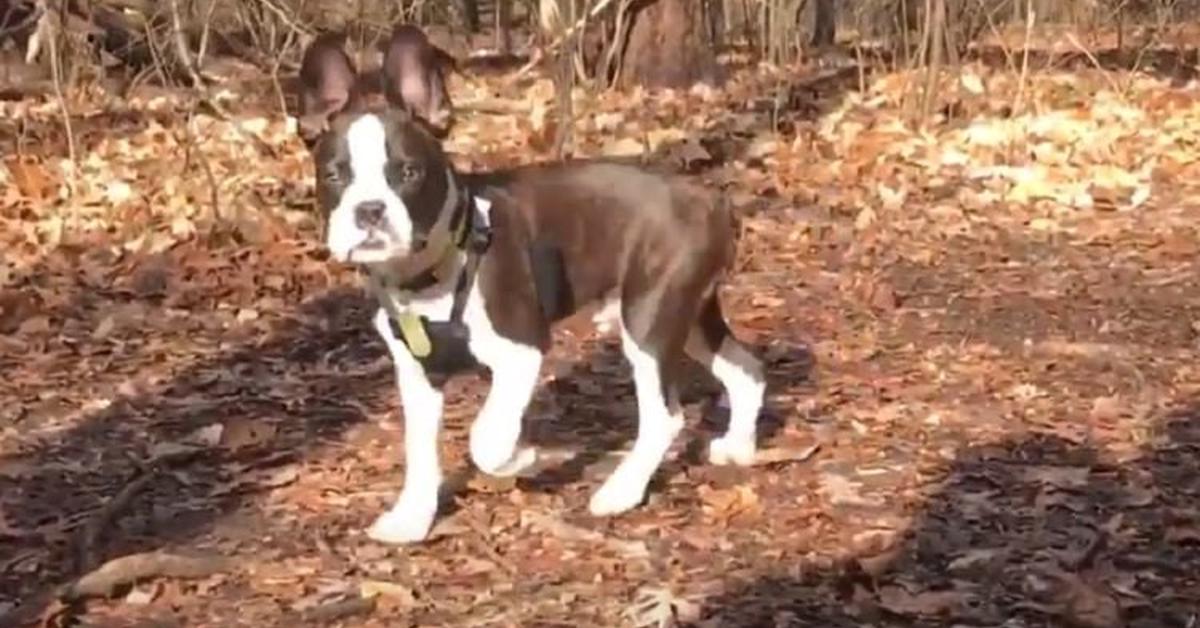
382	178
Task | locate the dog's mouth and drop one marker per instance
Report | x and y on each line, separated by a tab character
371	243
373	249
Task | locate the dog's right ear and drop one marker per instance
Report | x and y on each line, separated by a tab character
327	82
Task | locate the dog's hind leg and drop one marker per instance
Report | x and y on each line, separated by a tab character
652	341
712	344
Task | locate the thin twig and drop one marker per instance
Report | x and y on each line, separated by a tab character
56	75
558	41
566	108
285	18
289	39
90	536
181	47
1096	64
36	14
613	57
936	39
125	570
205	33
1019	98
485	543
189	143
155	55
336	610
185	58
85	550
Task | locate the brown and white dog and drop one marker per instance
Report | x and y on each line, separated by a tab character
473	269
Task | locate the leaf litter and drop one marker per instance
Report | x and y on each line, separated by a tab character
1001	310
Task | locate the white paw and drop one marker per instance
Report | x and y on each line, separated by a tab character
402	525
726	450
489	452
617	495
525	458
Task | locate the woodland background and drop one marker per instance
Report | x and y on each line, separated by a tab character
968	254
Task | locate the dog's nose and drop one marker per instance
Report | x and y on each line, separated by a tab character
369	214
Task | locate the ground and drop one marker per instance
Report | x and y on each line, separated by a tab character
981	338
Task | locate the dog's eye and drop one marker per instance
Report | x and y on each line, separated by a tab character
332	175
404	172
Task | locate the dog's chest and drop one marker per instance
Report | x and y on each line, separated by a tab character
441	345
454	346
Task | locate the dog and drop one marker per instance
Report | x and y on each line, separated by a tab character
474	269
413	74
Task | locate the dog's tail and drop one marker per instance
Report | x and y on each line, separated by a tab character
729	228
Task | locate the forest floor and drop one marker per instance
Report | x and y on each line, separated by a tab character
981	338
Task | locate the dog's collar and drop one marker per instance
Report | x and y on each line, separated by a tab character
462	227
472	235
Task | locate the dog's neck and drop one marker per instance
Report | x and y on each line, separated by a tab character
434	266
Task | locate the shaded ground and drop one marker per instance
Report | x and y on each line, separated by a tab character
1004	413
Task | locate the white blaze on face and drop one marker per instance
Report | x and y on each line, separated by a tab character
366	145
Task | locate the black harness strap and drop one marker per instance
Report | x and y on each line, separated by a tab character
478	236
461	224
448	340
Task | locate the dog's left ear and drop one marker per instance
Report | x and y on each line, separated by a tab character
327	83
447	63
403	111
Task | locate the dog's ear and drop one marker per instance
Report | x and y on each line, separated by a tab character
447	63
327	83
403	110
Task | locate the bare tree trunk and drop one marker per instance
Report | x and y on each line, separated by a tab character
470	9
715	11
503	12
668	46
935	42
566	83
183	54
824	23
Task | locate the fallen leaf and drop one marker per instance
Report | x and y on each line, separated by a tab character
971	82
841	491
660	607
866	217
1183	534
247	433
926	603
1061	477
730	502
201	438
104	328
774	455
1075	601
142	597
34	325
394	591
1106	408
623	147
568	532
973	560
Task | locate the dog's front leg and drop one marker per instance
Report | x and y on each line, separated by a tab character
497	430
412	516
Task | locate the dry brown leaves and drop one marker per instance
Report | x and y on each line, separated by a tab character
1000	305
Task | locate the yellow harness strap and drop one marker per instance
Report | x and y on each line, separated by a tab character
414	334
409	323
